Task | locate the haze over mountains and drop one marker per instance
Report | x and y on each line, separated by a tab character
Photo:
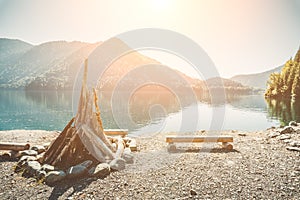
54	65
257	80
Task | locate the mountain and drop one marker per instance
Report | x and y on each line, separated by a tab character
231	87
12	48
257	80
23	64
55	65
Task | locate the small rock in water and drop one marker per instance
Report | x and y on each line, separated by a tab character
101	170
293	123
193	192
287	129
38	148
293	149
28	153
54	176
117	164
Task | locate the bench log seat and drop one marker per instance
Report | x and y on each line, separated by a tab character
225	139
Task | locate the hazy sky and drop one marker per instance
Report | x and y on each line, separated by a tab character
240	36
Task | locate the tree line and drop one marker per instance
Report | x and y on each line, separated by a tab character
286	84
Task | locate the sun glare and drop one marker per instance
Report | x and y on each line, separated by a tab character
161	4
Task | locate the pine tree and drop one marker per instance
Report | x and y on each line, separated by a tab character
297	56
286	83
296	83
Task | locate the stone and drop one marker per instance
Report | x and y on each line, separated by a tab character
117	164
28	153
54	177
41	175
86	163
21	163
287	141
15	154
32	168
46	145
38	148
79	170
293	123
6	156
171	148
47	168
274	134
284	137
294	143
40	157
293	149
101	170
128	157
193	192
287	129
242	134
27	158
76	171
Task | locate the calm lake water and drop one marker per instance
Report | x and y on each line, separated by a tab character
144	112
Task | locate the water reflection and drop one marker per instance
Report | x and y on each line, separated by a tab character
284	110
51	110
47	110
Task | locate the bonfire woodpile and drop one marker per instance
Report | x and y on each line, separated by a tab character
81	149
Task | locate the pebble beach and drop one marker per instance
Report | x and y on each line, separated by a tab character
262	165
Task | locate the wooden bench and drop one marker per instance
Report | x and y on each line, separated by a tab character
116	132
225	139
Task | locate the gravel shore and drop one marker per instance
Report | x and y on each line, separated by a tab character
259	167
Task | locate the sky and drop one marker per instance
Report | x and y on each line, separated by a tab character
240	36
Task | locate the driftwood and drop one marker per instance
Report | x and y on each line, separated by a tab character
83	138
120	149
14	146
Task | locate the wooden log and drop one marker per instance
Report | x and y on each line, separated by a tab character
120	149
91	147
63	152
97	141
116	132
192	139
132	145
14	146
58	144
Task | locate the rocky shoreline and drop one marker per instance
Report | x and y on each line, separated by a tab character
262	165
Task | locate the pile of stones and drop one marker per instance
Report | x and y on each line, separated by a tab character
29	165
290	135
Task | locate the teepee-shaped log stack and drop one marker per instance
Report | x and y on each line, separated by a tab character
83	138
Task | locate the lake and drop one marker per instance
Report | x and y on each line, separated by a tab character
145	113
